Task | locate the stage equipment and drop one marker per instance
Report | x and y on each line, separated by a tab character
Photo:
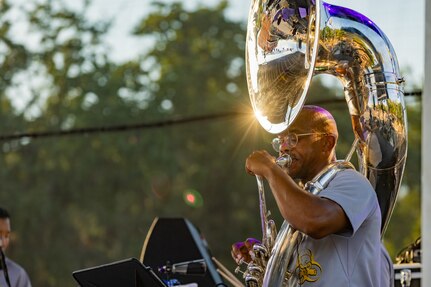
172	241
408	270
290	41
411	253
195	267
408	274
125	273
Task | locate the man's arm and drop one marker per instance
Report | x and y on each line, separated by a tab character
308	213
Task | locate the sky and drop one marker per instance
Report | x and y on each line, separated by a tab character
402	21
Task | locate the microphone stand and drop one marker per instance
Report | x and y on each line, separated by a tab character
4	267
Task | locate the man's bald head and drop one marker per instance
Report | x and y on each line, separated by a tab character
314	119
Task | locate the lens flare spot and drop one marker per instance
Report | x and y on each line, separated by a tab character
193	198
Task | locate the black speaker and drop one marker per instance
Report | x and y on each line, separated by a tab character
177	240
415	271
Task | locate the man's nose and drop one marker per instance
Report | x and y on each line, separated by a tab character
284	147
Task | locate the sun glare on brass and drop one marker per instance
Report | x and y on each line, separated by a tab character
280	57
248	127
263	120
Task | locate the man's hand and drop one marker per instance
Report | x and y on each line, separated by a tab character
259	162
243	251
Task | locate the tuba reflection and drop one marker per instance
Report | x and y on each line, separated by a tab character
290	41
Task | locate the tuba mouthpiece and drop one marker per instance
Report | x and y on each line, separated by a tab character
284	161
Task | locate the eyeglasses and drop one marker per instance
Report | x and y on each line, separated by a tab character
290	140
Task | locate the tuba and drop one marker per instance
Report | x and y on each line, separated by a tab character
290	41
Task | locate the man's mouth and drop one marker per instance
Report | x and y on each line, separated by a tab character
292	161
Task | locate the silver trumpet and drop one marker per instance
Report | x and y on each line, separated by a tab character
290	41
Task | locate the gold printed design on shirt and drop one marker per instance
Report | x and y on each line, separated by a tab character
307	270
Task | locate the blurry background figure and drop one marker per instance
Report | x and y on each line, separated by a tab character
13	275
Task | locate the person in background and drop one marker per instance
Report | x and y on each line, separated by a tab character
13	275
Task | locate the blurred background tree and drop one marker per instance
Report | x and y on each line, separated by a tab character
89	199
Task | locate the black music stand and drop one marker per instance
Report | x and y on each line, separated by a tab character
124	273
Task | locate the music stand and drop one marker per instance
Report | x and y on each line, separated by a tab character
124	273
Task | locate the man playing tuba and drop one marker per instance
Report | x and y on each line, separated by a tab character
341	244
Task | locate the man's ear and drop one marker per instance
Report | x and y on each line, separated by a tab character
329	143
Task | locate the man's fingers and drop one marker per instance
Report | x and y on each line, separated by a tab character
249	242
